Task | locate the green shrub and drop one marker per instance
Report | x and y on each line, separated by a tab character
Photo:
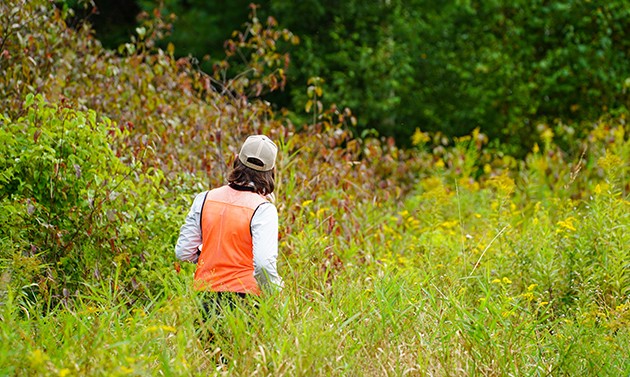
72	212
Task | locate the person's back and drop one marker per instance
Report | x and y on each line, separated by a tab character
225	262
231	232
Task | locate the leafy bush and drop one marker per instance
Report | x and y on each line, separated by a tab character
72	212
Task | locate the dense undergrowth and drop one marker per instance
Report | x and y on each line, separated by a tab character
449	259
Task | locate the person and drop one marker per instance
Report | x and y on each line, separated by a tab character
231	232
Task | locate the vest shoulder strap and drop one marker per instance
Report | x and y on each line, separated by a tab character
201	213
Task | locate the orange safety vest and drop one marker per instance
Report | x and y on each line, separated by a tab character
226	262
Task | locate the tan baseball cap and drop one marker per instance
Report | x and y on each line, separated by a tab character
259	153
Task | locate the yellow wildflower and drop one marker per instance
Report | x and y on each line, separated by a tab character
528	295
419	137
125	370
547	135
321	211
567	224
449	224
610	162
161	327
37	358
503	183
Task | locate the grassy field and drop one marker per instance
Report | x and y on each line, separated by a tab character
456	279
449	258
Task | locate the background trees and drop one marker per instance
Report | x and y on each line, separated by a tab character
454	66
439	66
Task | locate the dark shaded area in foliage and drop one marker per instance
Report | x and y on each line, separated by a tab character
114	21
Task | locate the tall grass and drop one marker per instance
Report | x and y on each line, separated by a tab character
419	288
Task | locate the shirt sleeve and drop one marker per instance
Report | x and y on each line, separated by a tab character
189	241
264	228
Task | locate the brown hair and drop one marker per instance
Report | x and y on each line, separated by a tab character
263	180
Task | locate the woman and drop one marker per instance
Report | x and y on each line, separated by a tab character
231	232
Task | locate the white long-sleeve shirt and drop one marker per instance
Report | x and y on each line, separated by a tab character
264	229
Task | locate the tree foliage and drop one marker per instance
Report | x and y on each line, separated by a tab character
455	66
442	66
